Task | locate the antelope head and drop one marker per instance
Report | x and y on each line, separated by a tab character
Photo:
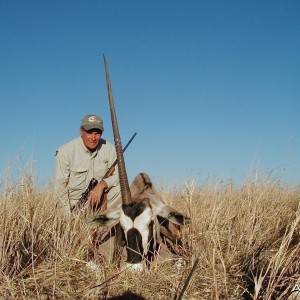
140	209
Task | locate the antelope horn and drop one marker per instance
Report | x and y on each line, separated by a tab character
125	190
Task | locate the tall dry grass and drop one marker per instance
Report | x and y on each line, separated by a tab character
246	239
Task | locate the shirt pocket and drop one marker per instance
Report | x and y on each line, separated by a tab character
77	178
100	168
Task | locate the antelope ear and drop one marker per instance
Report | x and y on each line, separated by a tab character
178	218
173	215
104	219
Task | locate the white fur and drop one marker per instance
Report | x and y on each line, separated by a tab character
141	223
125	222
136	268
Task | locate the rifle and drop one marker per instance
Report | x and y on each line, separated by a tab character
84	197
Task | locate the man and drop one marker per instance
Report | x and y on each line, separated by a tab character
82	159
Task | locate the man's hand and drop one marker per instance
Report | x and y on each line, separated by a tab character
96	193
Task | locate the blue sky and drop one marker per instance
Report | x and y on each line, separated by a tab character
211	87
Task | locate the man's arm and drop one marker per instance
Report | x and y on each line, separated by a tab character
108	181
113	178
61	177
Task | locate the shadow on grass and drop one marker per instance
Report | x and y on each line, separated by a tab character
127	295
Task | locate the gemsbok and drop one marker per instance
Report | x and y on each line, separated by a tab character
139	212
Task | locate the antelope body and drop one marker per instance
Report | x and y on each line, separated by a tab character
140	220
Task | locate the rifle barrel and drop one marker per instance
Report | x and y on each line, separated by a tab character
116	161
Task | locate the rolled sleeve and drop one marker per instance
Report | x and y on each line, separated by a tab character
113	180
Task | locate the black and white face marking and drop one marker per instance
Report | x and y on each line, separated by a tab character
136	220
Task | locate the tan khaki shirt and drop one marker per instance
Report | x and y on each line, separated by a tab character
75	166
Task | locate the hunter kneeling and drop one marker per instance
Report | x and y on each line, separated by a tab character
81	170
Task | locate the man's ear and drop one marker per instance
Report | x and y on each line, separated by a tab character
80	130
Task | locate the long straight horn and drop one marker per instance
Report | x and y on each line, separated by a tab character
125	191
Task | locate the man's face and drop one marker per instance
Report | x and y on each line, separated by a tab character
91	138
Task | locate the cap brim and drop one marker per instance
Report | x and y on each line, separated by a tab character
92	126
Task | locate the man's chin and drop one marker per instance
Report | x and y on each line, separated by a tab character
92	147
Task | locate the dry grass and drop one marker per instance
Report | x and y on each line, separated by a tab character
246	239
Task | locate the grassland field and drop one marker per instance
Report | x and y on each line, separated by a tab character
246	239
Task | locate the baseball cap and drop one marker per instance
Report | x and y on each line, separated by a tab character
92	122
